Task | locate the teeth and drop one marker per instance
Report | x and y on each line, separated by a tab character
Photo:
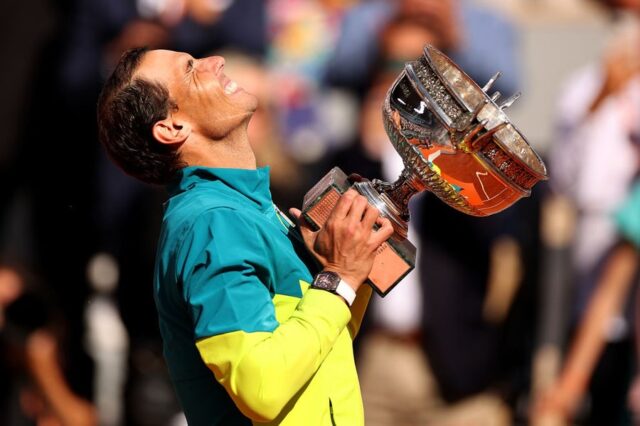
231	87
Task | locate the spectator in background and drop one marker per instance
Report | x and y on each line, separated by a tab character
593	164
479	40
593	160
618	279
315	118
34	385
628	219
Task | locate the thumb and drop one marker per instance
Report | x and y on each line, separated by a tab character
296	213
305	228
301	221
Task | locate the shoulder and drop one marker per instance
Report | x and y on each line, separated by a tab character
188	210
195	226
219	236
222	222
191	204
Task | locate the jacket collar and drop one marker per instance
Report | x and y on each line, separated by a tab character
252	185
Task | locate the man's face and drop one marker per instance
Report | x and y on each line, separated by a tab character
206	98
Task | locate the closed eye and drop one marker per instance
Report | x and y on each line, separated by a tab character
189	66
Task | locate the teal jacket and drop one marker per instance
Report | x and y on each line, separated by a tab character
245	340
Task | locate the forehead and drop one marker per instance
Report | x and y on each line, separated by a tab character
162	65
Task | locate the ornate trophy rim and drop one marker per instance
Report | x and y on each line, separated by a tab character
432	108
476	100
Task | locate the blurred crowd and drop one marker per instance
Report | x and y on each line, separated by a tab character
525	317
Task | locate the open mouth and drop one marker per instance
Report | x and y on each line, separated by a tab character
230	87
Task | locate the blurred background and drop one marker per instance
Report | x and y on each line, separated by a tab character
525	317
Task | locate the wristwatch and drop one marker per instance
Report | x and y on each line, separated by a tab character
331	282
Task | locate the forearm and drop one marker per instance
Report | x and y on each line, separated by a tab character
46	373
591	339
262	371
68	408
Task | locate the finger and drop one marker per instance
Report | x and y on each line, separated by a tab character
344	204
382	234
371	216
308	234
357	209
296	213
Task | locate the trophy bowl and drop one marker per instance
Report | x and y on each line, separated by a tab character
455	140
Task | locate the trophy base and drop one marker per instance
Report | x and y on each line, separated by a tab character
395	258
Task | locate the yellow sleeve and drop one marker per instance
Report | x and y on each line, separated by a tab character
262	371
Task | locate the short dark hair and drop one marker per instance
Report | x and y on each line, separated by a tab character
127	110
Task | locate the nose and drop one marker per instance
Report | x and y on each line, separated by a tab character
214	63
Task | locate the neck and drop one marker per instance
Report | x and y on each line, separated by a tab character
233	151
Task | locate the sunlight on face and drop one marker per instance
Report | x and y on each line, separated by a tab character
210	101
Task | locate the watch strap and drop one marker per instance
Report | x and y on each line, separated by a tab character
346	292
332	282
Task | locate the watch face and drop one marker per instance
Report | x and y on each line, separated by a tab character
327	281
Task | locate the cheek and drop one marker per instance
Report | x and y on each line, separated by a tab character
209	106
216	102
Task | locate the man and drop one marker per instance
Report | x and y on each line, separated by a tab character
231	285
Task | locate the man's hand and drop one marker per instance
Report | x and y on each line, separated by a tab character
347	243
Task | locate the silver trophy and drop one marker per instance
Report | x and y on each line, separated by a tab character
454	140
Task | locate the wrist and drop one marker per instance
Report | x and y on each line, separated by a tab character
332	282
353	281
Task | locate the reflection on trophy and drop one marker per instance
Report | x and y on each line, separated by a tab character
454	140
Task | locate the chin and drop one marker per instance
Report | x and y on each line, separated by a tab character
252	102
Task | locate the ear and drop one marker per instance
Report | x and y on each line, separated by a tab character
171	131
